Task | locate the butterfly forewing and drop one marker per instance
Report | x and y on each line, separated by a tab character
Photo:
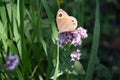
65	22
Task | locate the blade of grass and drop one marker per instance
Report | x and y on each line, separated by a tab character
51	18
44	46
8	9
54	37
19	74
3	14
33	73
95	45
7	41
20	18
58	4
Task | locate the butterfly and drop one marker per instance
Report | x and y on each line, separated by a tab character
65	23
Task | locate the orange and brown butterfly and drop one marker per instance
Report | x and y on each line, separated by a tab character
65	23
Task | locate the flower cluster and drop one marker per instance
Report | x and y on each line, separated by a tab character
12	62
75	55
75	37
64	38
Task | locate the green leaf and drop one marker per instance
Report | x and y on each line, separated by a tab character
78	68
3	14
19	74
12	46
44	46
8	6
9	43
17	35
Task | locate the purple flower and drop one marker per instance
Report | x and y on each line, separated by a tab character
12	62
82	32
75	37
75	55
64	38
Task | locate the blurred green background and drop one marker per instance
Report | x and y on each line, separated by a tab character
28	33
109	46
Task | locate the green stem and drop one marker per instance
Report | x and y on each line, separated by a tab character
57	63
95	44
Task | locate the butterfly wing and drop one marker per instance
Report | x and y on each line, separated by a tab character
61	19
65	22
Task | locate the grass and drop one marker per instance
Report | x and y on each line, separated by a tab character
95	45
31	32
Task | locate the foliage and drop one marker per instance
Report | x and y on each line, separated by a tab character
28	29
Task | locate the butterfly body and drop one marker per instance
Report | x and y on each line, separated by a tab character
65	22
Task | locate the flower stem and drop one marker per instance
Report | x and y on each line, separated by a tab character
57	63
